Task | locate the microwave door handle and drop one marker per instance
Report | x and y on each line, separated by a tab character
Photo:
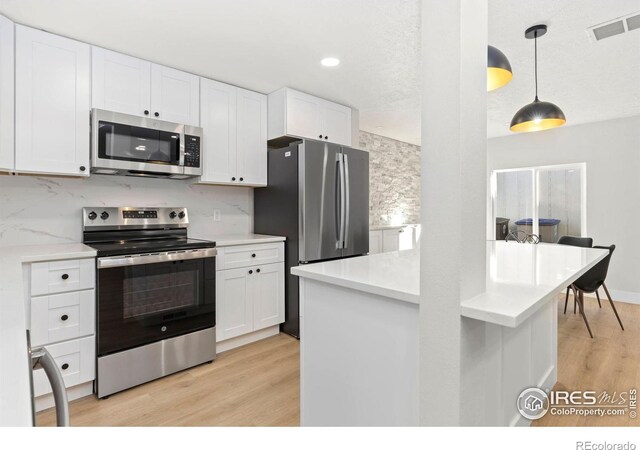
41	357
182	148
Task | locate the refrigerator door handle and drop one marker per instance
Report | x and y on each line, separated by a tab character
342	200
40	357
345	162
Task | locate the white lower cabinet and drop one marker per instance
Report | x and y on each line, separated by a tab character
249	298
394	239
61	315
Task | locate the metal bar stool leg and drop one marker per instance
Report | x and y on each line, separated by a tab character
566	299
612	305
598	297
581	305
575	297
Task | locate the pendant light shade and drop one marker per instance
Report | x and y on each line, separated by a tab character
499	70
537	115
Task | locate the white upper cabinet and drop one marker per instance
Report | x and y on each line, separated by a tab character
234	121
120	82
218	119
52	92
251	139
6	95
131	85
294	113
175	95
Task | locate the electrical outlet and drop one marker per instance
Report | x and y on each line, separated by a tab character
216	215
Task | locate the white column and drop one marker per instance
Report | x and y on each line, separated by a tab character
454	137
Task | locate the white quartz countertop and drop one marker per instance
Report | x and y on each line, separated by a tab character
15	392
520	277
391	227
226	240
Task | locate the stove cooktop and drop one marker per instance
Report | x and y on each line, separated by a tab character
134	247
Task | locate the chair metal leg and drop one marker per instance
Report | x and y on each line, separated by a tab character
581	305
566	299
598	297
612	305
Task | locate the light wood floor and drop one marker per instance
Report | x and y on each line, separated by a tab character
255	385
610	361
258	385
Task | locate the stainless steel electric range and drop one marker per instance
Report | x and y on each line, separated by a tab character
155	294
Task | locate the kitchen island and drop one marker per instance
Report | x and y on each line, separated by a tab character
360	333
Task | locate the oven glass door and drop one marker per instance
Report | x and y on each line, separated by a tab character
137	144
145	303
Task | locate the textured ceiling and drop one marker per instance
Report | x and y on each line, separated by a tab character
263	45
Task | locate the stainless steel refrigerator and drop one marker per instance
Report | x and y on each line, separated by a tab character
318	197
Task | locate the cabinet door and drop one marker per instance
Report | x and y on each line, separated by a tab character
251	134
6	94
375	241
218	114
406	238
336	123
175	95
268	295
120	82
234	306
390	240
52	103
303	115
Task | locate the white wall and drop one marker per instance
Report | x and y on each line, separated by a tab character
611	150
40	210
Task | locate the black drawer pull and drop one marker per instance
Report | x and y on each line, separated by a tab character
65	276
64	317
253	255
250	272
65	366
258	270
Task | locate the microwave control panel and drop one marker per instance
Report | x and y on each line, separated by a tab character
191	151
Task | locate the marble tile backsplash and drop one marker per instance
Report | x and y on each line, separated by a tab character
47	210
394	180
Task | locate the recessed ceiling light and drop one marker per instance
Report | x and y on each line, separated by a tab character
330	62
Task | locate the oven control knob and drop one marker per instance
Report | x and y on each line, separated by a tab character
104	215
92	215
172	214
181	215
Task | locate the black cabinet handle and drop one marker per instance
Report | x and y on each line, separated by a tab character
253	255
65	366
320	136
157	114
65	276
258	270
241	179
250	272
64	317
146	112
233	178
82	168
326	137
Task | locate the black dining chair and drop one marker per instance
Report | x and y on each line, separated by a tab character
576	241
592	280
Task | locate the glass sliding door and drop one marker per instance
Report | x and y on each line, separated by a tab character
548	201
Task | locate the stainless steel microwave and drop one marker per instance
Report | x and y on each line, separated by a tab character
122	144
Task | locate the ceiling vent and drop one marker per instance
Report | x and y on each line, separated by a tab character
614	27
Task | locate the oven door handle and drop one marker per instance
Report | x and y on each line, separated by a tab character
153	258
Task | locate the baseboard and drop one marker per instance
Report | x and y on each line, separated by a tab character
245	339
73	393
619	296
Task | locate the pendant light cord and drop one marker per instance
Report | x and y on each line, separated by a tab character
535	46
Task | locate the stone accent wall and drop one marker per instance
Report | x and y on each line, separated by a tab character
394	180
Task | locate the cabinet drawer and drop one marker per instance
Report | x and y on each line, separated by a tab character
249	255
62	276
60	317
79	359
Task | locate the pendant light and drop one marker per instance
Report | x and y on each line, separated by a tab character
499	70
538	115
